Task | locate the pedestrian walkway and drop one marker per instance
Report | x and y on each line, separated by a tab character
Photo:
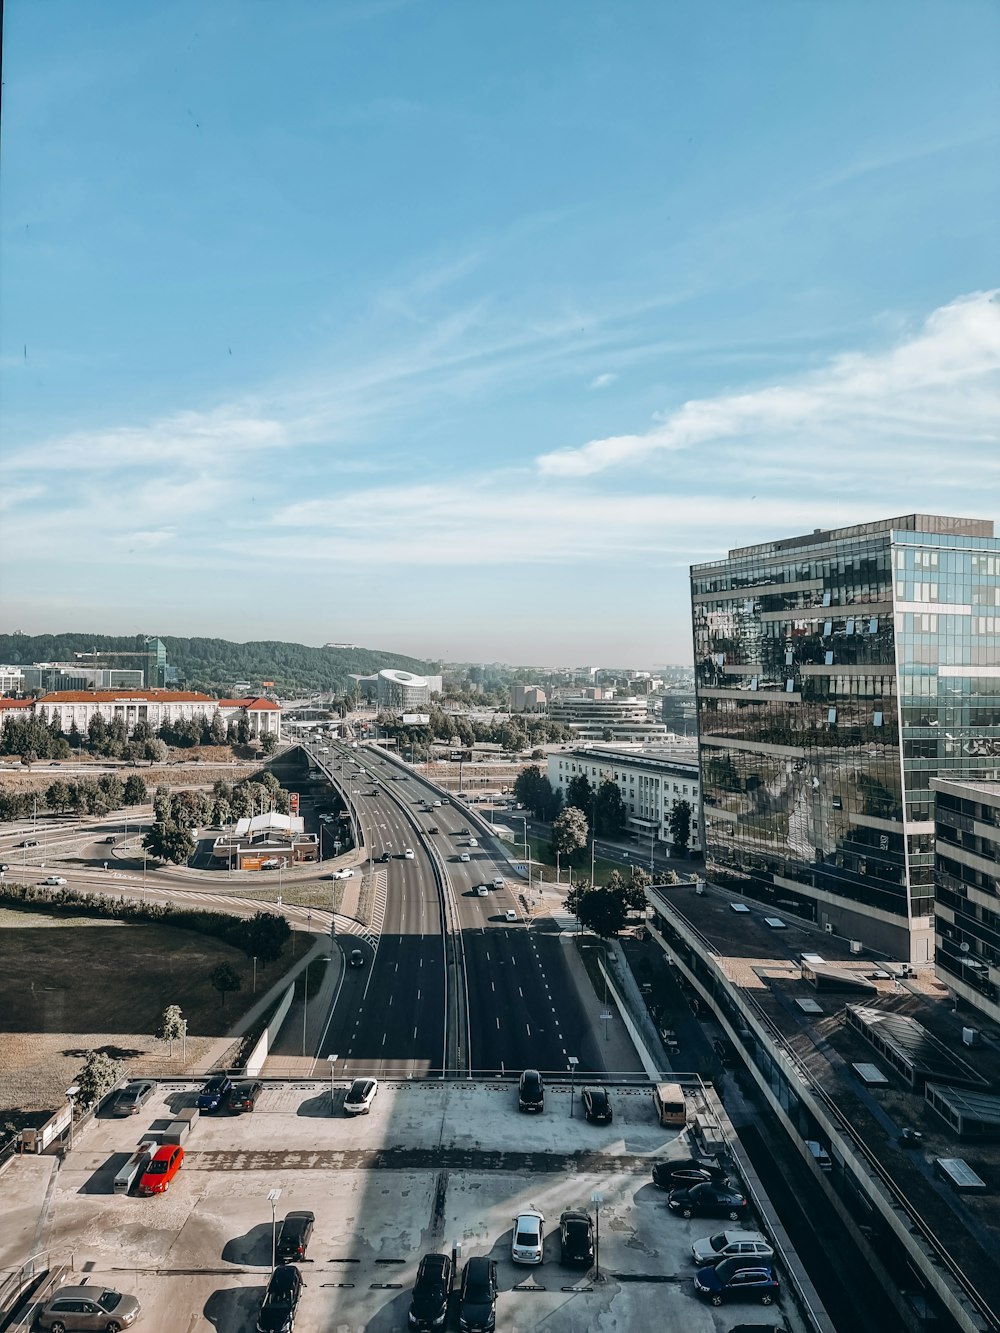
611	1046
294	1049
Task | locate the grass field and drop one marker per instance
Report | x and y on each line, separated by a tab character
73	983
543	863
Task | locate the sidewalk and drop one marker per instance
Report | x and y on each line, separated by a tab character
285	1059
614	1054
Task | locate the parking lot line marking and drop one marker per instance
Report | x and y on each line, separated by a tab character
498	1023
520	992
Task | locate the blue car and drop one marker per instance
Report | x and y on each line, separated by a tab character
215	1092
737	1279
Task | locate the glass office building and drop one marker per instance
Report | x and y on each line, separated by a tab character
837	674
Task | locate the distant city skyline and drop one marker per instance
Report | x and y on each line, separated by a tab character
453	343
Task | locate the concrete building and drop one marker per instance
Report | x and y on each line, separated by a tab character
50	676
11	708
967	891
155	707
651	782
527	698
264	842
11	680
263	715
595	717
402	691
836	673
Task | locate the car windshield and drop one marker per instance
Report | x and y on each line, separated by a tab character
110	1300
718	1241
157	1168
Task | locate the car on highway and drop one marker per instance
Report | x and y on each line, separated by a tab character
431	1290
346	873
477	1311
326	819
88	1306
510	914
751	1245
531	1092
473	842
386	856
690	1171
53	881
111	839
360	1096
357	958
737	1279
576	1237
597	1106
483	890
163	1166
244	1096
4	869
281	1299
131	1099
408	854
30	842
527	1242
434	829
465	857
213	1095
708	1200
437	803
498	881
293	1238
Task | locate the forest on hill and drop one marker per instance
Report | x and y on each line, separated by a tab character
214	665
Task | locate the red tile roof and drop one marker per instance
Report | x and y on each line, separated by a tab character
123	696
17	703
258	704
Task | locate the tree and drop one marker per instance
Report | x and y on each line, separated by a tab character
224	979
136	792
168	841
242	730
580	793
680	826
97	732
161	804
113	789
269	742
635	889
97	1077
155	750
265	936
172	1026
570	834
611	812
217	731
601	910
58	795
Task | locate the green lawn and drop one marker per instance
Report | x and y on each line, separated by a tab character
543	863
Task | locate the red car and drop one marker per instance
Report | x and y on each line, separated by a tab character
164	1166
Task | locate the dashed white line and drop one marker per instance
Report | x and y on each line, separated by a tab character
498	1023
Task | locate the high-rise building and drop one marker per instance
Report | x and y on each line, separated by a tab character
836	674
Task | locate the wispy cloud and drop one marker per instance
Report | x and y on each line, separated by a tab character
943	383
602	381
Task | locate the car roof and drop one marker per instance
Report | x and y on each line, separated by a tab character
581	1219
299	1218
434	1263
282	1277
165	1151
87	1292
735	1264
479	1265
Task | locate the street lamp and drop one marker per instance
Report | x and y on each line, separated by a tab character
597	1199
333	1066
573	1062
70	1094
272	1199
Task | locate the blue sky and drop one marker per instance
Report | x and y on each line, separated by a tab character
461	330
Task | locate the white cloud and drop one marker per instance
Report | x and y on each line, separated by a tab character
941	385
602	381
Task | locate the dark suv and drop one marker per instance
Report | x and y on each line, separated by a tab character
735	1279
597	1106
478	1311
429	1304
293	1238
215	1092
531	1091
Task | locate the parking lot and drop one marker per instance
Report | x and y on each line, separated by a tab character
433	1167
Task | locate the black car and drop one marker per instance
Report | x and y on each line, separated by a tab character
576	1236
277	1310
429	1303
357	958
674	1175
214	1093
293	1238
386	856
531	1091
477	1312
735	1279
597	1106
243	1096
708	1200
131	1099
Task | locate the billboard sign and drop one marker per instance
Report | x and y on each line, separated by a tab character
461	756
416	719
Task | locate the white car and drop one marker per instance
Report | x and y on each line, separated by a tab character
346	873
52	881
510	914
527	1244
498	881
360	1096
465	857
483	890
437	802
473	842
749	1245
408	854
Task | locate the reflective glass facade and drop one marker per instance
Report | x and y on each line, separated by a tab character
836	674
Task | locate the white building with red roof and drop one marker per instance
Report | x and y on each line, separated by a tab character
14	708
263	715
155	707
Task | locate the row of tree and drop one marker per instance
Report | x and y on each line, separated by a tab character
515	734
605	909
33	739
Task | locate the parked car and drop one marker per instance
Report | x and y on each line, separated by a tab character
527	1245
737	1279
429	1302
708	1200
53	881
357	958
243	1096
131	1099
731	1245
346	873
272	863
531	1091
277	1309
163	1166
213	1095
360	1096
477	1312
576	1237
597	1106
294	1236
692	1171
88	1307
408	854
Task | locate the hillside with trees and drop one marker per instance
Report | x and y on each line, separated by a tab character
214	665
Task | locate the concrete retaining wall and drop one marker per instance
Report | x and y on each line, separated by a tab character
256	1058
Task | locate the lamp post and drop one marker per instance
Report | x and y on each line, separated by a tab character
573	1062
597	1199
255	976
272	1198
333	1066
70	1094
